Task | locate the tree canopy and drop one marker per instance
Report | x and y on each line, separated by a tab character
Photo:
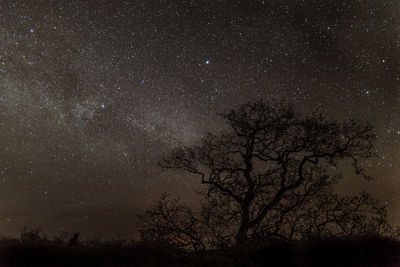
270	174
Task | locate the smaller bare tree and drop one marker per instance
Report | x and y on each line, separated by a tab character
172	224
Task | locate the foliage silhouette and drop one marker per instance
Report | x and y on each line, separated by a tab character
270	174
31	234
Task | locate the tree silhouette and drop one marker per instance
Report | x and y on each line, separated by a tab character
269	174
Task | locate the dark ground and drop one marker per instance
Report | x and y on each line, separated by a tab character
35	250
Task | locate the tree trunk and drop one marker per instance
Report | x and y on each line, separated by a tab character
241	236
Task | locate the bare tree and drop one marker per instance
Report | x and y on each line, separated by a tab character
271	174
170	223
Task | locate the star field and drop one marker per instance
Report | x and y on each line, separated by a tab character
94	93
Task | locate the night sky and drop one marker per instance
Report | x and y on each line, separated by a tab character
94	93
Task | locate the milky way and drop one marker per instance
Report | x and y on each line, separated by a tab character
94	93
